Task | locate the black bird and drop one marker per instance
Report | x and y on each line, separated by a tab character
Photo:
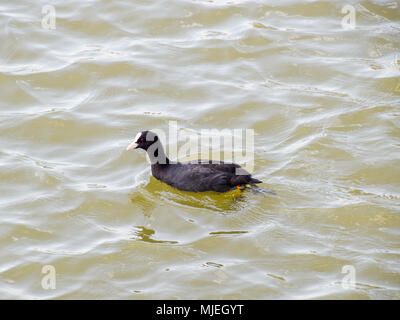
189	176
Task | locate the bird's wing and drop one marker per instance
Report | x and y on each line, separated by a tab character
221	166
207	178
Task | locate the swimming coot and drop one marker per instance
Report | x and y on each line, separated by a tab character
189	176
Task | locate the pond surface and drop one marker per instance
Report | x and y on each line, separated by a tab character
320	90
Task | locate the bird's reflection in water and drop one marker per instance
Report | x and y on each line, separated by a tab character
141	233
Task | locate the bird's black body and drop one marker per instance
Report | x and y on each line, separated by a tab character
192	176
198	177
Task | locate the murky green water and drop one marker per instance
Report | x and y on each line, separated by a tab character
322	99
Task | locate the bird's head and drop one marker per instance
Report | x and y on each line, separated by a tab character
143	140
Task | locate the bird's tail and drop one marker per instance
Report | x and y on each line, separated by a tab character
243	180
254	181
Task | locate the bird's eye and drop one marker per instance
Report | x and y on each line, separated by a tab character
141	140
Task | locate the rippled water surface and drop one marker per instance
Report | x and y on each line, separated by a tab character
322	99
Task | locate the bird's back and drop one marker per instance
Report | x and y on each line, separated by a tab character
203	176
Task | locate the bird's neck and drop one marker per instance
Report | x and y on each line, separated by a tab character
157	155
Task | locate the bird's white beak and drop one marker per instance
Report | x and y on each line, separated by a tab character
133	145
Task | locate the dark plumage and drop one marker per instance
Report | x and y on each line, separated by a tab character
189	176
